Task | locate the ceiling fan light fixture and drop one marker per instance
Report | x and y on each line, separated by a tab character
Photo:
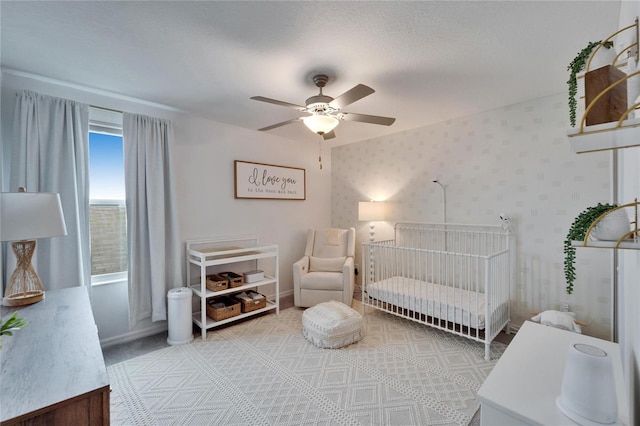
320	123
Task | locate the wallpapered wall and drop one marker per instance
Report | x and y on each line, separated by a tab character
514	160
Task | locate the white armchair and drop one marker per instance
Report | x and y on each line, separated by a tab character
326	271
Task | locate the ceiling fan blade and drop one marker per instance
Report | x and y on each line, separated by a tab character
350	96
364	118
329	135
284	123
277	102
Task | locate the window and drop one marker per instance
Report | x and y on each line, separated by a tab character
107	212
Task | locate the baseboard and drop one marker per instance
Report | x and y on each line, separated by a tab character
284	293
133	335
160	328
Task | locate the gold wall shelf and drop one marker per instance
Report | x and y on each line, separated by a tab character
623	133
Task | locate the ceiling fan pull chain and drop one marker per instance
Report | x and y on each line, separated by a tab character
320	152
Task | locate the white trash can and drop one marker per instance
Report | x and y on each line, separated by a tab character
179	313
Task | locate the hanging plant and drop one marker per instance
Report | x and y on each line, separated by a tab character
577	232
574	68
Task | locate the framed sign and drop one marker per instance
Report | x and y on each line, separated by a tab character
266	181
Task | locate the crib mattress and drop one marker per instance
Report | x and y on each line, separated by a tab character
438	301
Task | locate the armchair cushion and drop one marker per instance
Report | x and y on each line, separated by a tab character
327	281
326	264
331	242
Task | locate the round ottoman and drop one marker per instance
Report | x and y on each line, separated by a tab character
332	325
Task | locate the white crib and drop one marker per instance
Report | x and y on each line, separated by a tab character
450	276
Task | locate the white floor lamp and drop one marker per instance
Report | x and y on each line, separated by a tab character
371	211
25	217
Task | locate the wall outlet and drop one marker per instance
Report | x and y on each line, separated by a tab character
565	307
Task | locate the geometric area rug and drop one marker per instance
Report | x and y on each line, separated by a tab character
262	371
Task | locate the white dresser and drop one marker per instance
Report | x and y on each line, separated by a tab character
523	386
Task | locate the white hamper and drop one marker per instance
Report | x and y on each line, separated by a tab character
179	313
332	325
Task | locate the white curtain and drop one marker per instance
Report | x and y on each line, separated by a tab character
50	154
152	238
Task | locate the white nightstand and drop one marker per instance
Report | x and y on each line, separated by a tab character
523	386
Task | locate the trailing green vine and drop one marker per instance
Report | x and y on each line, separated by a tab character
577	232
574	68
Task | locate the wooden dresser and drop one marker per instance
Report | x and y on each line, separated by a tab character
52	371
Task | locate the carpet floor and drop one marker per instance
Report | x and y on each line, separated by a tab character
263	372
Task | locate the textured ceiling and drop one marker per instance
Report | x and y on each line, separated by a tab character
428	61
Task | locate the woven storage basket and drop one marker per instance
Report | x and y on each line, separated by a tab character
235	280
217	283
231	309
252	305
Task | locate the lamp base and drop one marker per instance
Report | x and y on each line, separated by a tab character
22	300
578	418
24	286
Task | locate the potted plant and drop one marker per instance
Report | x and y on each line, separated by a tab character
576	66
14	323
577	232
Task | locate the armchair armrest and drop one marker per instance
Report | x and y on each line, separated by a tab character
348	280
348	266
300	268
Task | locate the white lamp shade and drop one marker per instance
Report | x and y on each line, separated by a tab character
320	124
588	393
30	215
371	211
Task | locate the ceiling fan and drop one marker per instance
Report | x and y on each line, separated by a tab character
326	112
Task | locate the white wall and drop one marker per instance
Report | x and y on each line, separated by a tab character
203	153
629	266
514	160
629	283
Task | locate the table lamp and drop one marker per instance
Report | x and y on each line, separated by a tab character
25	217
371	211
588	391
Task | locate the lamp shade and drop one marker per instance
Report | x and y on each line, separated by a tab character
30	215
320	123
371	211
588	393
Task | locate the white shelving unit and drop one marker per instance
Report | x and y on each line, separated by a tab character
240	254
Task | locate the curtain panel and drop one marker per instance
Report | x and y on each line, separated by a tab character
152	237
50	154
